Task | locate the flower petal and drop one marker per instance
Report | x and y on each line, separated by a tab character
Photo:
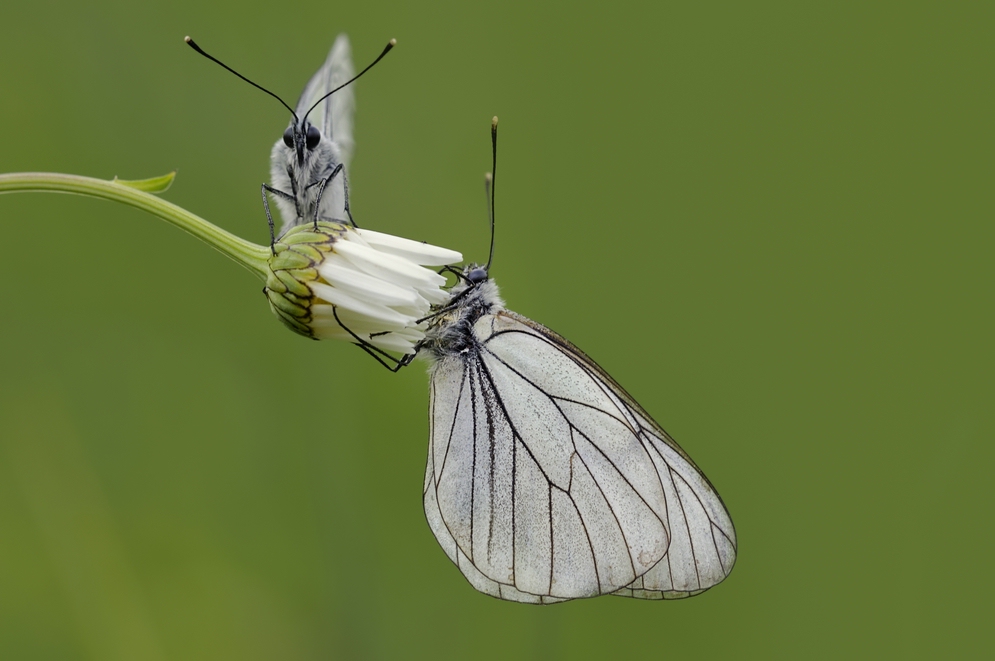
435	295
381	315
418	252
389	267
393	342
340	273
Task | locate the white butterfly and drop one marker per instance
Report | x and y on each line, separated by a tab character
546	481
308	163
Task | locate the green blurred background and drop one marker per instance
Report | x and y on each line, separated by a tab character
771	221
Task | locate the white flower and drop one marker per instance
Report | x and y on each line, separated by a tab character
375	283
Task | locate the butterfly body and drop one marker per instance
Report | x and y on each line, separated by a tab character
307	164
545	480
299	174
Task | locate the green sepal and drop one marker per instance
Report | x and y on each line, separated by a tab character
290	260
291	283
275	284
283	303
291	322
306	234
314	253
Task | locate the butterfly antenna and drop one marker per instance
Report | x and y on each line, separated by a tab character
200	50
489	181
390	44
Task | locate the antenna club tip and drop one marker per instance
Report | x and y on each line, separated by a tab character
494	121
488	177
187	39
392	42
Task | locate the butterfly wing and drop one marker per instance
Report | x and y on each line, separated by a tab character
546	481
333	115
703	542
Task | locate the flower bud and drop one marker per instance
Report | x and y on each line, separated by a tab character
375	283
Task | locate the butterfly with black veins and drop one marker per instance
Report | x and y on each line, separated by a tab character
308	163
545	480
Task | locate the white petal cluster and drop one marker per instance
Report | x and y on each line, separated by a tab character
379	288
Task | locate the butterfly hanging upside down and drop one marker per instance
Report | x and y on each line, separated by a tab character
546	481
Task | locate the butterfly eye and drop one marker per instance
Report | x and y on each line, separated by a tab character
476	276
288	136
313	137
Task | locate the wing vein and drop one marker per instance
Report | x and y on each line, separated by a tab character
582	363
611	509
468	376
579	431
452	427
687	526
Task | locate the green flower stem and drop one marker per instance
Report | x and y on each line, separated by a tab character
251	256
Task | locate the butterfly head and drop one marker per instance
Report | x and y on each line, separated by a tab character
475	274
471	278
302	137
474	294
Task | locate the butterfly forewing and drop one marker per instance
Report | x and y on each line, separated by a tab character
513	535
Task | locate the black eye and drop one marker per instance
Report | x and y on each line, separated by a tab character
288	136
313	137
477	275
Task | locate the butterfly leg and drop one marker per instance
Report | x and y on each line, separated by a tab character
448	307
321	191
377	353
345	189
269	216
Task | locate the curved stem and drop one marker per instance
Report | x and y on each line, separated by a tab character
251	256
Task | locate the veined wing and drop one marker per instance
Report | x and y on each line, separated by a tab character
545	481
334	115
703	542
